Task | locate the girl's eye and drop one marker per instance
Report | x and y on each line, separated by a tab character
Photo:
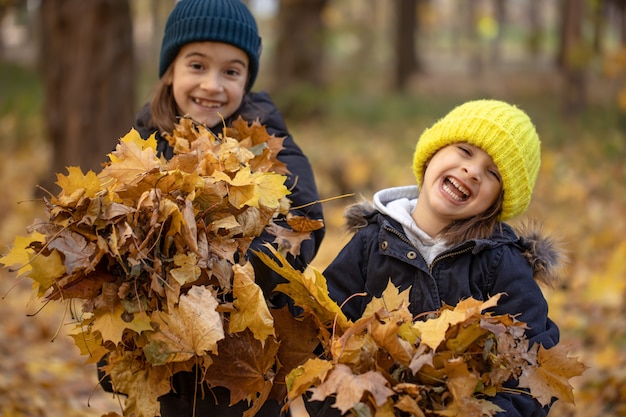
496	174
196	66
465	150
232	72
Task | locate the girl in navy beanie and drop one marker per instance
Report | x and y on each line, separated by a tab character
208	64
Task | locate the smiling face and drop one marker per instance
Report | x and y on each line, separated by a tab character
208	81
460	181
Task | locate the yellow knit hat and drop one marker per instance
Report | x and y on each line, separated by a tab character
505	132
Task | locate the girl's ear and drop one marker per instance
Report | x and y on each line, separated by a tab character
168	77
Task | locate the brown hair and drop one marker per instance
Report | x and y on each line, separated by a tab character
481	226
163	108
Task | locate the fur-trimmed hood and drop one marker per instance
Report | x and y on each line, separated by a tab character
543	251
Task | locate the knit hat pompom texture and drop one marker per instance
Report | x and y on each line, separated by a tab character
227	21
502	130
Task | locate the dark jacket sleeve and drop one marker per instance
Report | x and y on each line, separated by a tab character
346	275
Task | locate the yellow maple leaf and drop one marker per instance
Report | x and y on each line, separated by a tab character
433	331
133	137
391	299
308	290
111	325
192	328
89	343
271	189
300	379
21	252
76	185
45	270
132	159
243	190
251	310
550	376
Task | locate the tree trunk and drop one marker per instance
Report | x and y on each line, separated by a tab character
598	25
572	58
535	29
86	61
406	28
496	43
298	60
476	64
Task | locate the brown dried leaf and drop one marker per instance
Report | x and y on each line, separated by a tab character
243	365
78	253
350	388
288	239
298	339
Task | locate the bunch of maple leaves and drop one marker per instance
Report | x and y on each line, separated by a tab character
389	363
155	252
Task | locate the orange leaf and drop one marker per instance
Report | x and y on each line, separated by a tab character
303	223
550	376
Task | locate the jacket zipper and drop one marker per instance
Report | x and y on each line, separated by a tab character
448	255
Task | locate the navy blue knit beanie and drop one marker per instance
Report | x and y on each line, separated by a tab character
227	21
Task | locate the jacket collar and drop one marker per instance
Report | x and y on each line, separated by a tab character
543	251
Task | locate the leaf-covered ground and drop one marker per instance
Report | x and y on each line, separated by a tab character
580	195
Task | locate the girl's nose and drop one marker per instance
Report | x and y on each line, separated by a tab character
473	172
211	82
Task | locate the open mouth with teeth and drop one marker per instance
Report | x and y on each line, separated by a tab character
455	190
207	104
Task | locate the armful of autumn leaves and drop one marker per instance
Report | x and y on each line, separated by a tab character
154	251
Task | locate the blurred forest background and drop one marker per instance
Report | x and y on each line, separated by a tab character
358	81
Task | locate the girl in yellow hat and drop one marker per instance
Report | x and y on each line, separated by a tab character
445	239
